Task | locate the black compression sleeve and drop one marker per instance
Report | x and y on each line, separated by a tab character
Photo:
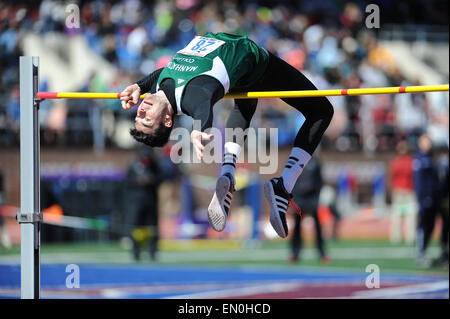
199	96
168	86
146	83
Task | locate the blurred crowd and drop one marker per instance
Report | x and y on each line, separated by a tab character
327	40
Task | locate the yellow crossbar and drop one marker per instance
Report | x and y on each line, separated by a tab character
268	94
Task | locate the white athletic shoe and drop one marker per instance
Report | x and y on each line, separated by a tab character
220	204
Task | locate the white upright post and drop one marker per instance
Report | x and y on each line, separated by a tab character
29	216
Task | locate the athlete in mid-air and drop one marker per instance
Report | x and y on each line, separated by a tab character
201	74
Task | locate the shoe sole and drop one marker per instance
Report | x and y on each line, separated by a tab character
216	214
275	219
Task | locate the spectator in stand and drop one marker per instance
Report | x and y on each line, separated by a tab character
404	205
318	38
426	185
411	114
384	119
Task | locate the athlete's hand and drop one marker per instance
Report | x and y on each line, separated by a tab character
196	139
130	96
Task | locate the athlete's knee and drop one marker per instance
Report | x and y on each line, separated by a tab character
326	109
316	109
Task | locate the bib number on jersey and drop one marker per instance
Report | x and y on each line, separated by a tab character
201	46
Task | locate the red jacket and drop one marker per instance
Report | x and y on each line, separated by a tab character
401	171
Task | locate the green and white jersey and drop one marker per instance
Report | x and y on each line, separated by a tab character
235	61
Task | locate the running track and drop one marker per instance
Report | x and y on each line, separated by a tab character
184	282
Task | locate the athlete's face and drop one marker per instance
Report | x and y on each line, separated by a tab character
152	111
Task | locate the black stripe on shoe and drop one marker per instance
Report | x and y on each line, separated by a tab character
281	196
284	223
282	205
281	200
230	154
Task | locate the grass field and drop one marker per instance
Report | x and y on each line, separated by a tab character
346	254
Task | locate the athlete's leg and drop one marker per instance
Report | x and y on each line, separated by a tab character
296	239
239	118
238	121
318	113
319	236
241	115
396	218
424	231
337	217
430	219
444	233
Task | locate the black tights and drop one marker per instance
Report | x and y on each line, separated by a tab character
281	76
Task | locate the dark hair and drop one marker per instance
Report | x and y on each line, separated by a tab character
158	138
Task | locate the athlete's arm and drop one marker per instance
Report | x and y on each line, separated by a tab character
200	95
130	96
146	83
197	137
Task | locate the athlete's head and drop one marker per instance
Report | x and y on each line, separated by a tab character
154	120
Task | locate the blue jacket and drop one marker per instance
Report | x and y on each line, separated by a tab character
443	173
426	180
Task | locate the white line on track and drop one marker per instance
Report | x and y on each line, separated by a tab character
243	291
402	291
